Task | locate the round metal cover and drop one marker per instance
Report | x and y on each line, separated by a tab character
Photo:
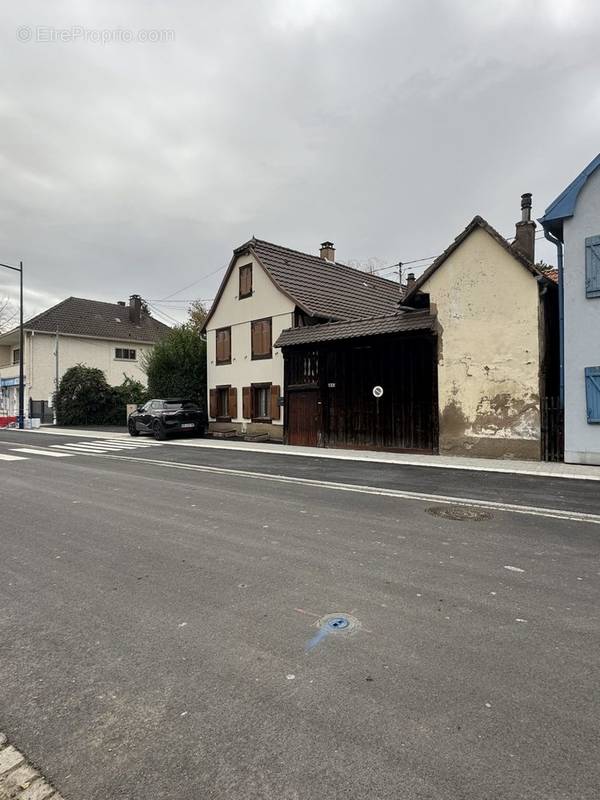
339	623
460	513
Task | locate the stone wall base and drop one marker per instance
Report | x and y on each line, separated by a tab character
476	447
273	432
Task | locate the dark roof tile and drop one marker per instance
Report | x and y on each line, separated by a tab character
371	326
79	317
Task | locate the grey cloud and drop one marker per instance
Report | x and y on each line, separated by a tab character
384	126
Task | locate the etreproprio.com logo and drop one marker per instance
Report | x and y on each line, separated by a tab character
79	33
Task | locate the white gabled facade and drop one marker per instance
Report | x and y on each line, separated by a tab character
582	327
574	220
244	389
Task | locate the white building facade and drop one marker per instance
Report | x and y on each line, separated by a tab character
83	334
573	221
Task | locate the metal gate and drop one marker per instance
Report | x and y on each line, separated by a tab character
553	430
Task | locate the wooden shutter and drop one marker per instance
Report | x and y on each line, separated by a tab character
592	393
275	410
261	338
214	403
232	402
223	338
246	280
247	402
592	266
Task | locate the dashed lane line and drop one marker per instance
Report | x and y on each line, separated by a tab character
8	457
536	511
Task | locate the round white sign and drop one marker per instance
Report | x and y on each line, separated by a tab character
377	391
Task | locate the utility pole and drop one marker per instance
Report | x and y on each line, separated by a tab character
21	417
55	398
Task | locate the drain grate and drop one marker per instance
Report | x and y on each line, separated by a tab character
460	513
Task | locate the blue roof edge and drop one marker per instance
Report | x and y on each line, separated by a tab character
564	205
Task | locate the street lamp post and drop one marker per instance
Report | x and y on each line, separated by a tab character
21	417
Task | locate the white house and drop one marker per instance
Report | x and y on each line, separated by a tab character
266	290
110	336
572	221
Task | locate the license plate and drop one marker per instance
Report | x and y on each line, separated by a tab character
187	425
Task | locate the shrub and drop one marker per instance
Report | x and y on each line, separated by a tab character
85	398
176	366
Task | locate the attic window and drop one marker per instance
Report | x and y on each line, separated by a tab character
245	281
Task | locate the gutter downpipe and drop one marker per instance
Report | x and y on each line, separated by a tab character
561	313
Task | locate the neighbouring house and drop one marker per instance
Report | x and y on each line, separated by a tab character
110	336
266	289
497	356
572	222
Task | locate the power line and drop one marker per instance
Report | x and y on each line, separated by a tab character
163	314
193	283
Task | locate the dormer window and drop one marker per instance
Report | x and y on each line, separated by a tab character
245	281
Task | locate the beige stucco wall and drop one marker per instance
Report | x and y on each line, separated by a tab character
74	350
266	301
488	359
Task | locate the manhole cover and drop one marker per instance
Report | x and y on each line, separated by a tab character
461	513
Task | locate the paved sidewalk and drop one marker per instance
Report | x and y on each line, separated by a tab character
18	779
535	468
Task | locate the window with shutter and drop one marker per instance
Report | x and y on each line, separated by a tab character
592	266
245	281
261	402
223	339
261	338
592	394
222	403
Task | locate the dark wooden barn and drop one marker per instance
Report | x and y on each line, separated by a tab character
334	372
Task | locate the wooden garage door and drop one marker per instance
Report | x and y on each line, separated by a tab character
303	417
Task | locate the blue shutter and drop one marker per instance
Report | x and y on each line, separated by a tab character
592	393
592	266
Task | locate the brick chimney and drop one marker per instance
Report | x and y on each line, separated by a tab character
327	251
135	309
525	230
410	281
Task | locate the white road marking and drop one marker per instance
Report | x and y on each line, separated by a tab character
76	448
565	471
35	452
553	513
513	569
7	457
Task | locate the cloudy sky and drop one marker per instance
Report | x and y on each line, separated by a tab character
135	165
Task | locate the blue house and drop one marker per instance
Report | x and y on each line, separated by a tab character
572	222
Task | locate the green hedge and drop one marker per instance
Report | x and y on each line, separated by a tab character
85	398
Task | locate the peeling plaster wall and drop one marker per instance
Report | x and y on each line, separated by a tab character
488	356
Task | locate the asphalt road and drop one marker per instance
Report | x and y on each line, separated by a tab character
158	626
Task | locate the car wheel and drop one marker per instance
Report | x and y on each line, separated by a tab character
158	431
133	431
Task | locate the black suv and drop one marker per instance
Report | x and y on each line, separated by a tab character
163	417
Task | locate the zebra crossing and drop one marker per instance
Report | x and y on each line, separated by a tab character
90	447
